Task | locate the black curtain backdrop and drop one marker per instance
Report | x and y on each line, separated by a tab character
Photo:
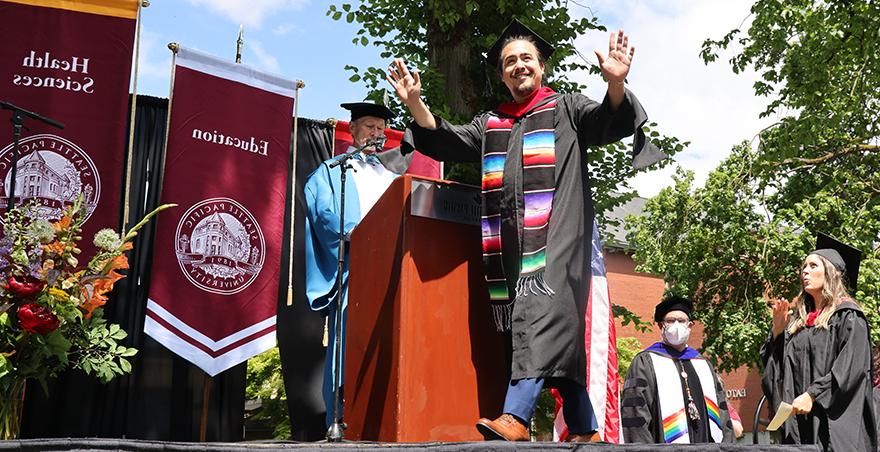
162	398
300	330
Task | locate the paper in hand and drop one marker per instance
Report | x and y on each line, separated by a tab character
782	413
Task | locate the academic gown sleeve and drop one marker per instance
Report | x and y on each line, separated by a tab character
395	160
638	403
322	237
597	125
448	142
772	354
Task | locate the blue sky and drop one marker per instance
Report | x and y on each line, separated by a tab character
707	105
293	38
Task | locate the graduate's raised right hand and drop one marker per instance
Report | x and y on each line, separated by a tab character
407	85
781	313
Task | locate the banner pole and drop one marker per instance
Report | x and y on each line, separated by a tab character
299	85
126	203
173	47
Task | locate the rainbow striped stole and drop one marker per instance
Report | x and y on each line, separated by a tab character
672	399
674	426
713	411
539	184
710	393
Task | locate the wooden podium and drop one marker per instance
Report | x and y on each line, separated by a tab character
423	360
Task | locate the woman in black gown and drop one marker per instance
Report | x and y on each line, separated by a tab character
818	357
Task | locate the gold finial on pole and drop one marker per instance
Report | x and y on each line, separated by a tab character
299	85
239	43
145	3
173	46
332	122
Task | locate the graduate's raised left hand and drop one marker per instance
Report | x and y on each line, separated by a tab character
802	404
615	65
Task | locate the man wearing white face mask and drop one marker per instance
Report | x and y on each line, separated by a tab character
671	393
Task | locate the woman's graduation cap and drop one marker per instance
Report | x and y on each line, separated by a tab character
516	28
360	109
845	258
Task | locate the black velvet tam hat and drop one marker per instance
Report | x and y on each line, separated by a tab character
516	28
673	303
845	258
360	109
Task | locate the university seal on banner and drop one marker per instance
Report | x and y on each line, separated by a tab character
51	171
220	246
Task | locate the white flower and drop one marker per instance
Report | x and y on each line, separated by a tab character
107	239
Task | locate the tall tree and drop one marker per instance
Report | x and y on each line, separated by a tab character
748	229
446	39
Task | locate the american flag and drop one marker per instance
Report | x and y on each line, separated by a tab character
601	347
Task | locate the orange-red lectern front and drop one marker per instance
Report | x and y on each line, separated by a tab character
423	360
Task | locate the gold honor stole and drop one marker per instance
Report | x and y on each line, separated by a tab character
672	399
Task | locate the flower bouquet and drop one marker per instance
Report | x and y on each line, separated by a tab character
51	315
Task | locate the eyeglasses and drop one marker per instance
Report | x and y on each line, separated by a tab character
670	322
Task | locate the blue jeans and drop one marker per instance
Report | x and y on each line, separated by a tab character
522	396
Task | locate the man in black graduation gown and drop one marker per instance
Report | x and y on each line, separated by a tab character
671	393
537	212
823	370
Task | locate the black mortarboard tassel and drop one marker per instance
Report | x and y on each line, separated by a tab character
361	109
516	28
673	303
844	257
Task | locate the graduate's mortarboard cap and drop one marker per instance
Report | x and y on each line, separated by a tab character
361	109
516	28
844	257
673	303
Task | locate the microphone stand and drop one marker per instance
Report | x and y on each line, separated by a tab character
17	120
334	432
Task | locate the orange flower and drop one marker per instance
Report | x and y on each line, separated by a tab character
55	247
103	285
62	224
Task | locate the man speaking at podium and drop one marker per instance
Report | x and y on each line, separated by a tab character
369	174
537	217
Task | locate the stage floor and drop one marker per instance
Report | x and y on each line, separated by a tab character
90	444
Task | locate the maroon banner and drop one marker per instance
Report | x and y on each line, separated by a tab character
217	260
73	66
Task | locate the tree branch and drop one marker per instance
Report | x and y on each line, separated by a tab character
809	162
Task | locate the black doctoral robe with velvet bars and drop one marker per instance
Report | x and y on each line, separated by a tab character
640	411
548	331
834	365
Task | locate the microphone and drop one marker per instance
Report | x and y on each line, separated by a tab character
376	143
